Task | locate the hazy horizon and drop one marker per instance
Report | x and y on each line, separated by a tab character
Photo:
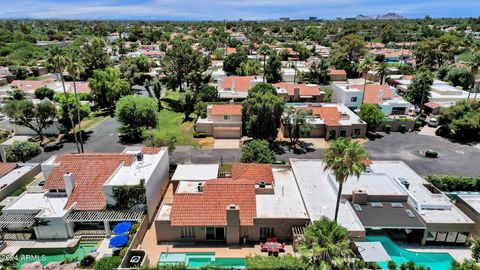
188	10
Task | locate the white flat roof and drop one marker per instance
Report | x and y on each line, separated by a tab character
320	196
188	186
131	175
373	183
286	202
164	212
195	172
473	200
15	174
33	202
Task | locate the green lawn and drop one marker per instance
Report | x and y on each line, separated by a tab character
170	124
92	120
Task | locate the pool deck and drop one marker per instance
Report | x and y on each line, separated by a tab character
458	253
149	244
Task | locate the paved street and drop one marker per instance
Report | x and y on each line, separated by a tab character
455	158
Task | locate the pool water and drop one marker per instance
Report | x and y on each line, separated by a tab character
437	261
200	259
46	256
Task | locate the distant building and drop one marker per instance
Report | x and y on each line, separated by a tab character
236	87
299	92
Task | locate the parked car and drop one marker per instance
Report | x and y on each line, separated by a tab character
433	122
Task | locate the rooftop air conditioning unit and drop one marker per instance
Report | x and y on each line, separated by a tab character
261	184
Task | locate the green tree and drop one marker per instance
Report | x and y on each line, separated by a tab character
273	69
249	68
325	245
135	113
36	117
392	265
44	92
134	69
264	50
22	151
262	88
107	87
365	66
418	92
19	72
16	94
297	123
463	118
94	56
233	61
371	114
262	113
107	263
257	151
207	93
460	77
75	68
187	101
65	110
345	158
57	61
347	53
319	71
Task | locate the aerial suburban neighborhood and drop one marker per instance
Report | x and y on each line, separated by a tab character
161	135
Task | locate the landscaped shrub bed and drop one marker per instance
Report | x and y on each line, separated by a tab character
431	153
287	262
455	183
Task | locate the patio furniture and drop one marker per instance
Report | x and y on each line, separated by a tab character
119	241
263	247
275	252
282	247
122	227
272	247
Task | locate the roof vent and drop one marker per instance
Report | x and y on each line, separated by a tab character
200	187
232	206
261	184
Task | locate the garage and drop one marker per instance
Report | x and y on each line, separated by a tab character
227	132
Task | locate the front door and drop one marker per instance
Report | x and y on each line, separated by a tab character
332	134
343	133
215	233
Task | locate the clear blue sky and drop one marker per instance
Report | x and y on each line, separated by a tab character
232	9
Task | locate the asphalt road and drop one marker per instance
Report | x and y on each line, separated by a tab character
455	158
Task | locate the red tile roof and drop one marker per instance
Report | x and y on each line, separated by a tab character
375	93
329	115
226	109
209	208
253	171
28	85
5	168
229	51
242	83
305	90
90	172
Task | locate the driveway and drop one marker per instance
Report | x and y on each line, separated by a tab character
103	137
226	144
455	158
429	131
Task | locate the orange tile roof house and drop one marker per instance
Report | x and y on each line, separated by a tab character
258	201
82	188
337	74
295	92
236	87
330	121
222	121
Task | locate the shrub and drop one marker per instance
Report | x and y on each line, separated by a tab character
372	265
392	265
199	134
286	262
387	128
87	261
431	153
44	92
402	128
257	151
108	263
21	151
455	183
123	251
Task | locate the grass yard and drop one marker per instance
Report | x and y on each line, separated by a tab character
92	120
170	124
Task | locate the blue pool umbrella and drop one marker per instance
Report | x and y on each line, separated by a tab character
119	240
122	227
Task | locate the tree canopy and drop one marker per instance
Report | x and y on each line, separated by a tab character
371	114
463	118
135	113
257	151
107	87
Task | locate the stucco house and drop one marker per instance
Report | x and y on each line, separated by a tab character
294	92
222	121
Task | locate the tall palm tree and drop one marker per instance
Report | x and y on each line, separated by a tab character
57	61
295	69
264	50
365	66
383	72
345	158
75	67
325	245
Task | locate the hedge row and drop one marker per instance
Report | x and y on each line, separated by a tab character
455	183
287	262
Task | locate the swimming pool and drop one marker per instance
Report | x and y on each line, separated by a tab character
437	261
48	255
200	259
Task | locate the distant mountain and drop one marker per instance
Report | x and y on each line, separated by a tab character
390	16
363	17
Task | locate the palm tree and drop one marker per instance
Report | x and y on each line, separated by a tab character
325	245
57	60
291	64
383	71
474	64
264	50
75	68
345	158
365	66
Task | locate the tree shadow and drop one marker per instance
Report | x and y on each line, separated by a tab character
373	136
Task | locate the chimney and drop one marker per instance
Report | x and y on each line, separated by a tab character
69	183
233	224
296	93
359	197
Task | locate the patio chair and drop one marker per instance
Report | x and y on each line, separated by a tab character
263	247
275	252
274	239
270	252
282	247
269	240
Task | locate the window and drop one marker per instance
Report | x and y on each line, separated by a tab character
376	204
451	237
187	232
398	111
266	232
431	236
353	99
410	213
396	205
441	236
227	117
462	237
357	207
357	132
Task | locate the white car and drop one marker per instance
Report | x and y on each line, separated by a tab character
433	122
